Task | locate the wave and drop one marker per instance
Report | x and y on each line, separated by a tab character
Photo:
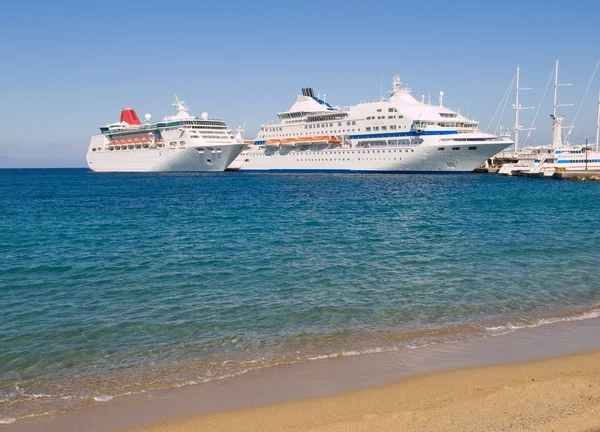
510	327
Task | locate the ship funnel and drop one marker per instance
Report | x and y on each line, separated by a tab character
308	92
129	116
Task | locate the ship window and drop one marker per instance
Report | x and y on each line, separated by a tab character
455	148
441	148
379	110
472	148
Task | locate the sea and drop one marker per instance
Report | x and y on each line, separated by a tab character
116	284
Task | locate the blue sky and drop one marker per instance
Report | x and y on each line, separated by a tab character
69	67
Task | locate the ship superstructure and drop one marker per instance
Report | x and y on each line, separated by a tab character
399	134
177	143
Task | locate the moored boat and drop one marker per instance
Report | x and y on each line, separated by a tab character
399	134
177	143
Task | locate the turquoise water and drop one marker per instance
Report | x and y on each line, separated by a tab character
119	283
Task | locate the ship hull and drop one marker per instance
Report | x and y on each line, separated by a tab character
419	159
163	159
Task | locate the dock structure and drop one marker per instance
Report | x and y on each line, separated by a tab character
577	175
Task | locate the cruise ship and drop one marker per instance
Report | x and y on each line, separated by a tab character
400	134
177	143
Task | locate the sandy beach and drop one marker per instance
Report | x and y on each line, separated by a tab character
561	394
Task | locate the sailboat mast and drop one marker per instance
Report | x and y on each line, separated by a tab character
598	123
517	109
556	120
555	89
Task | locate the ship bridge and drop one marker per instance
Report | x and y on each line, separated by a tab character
307	105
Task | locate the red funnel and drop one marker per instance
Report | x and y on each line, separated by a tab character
129	116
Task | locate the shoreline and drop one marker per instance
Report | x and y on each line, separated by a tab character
321	379
555	394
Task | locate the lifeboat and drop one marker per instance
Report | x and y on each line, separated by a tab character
304	139
288	142
273	143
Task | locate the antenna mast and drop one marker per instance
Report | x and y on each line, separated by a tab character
517	107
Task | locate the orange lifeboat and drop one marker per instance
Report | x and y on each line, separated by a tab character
288	142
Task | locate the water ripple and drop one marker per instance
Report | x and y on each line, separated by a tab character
119	283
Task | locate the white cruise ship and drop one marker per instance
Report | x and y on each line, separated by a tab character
177	143
399	134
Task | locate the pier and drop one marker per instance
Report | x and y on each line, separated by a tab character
577	175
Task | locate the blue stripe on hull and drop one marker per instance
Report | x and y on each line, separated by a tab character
401	134
343	171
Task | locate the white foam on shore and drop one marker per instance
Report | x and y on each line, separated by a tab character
352	353
7	420
504	329
103	398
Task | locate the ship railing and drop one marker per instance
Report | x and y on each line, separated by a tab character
382	99
395	143
129	129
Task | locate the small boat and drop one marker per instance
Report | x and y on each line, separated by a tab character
288	142
272	143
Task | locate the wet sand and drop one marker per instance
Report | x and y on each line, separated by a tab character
544	378
553	395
